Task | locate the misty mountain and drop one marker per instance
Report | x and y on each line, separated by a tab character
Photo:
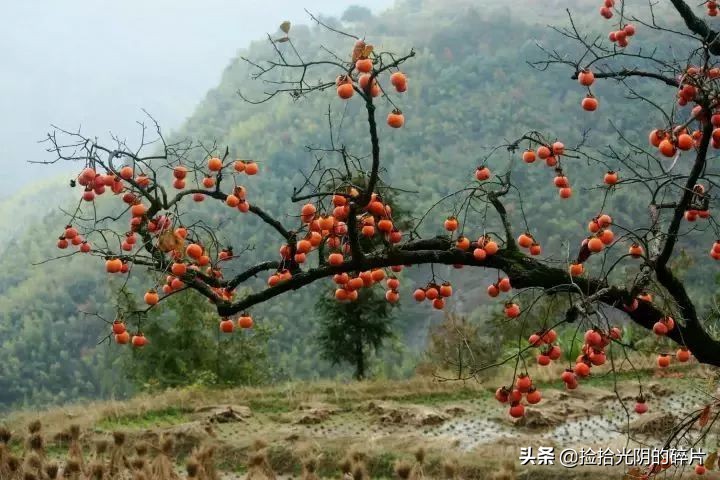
96	64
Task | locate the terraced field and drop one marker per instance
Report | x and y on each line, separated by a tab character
439	430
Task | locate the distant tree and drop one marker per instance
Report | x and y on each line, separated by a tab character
356	13
456	346
350	332
361	336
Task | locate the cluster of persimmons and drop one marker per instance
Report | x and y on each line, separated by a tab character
365	79
184	255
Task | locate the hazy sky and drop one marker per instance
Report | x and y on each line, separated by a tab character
97	63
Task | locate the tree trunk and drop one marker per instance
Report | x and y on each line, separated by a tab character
359	361
460	362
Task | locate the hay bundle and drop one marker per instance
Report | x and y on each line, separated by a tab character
72	470
309	469
118	461
450	469
51	471
75	450
33	464
206	457
259	465
193	468
162	466
403	470
96	471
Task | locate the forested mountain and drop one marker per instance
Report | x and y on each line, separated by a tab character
471	88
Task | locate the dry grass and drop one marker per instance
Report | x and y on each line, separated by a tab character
290	395
66	423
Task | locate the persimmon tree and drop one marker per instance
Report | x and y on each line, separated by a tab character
613	267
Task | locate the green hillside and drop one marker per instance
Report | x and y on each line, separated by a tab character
470	88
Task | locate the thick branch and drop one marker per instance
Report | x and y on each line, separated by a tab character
678	214
271	221
251	272
523	271
624	73
494	198
354	237
697	25
253	208
663	273
372	181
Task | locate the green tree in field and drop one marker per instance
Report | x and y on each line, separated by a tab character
351	332
457	346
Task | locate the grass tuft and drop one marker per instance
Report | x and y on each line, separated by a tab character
150	419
